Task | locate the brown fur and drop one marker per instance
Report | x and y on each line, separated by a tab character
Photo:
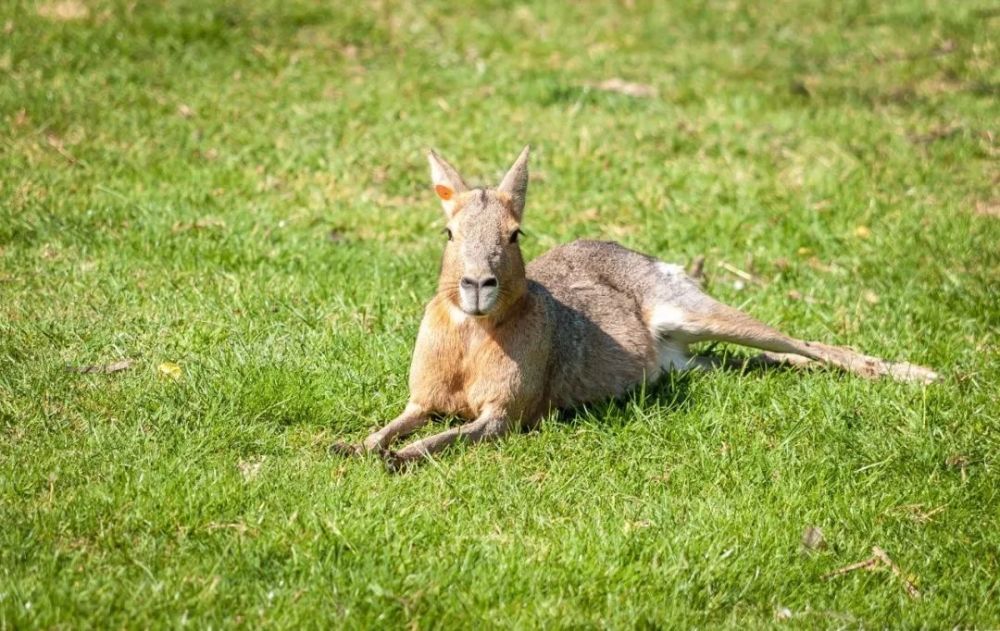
501	344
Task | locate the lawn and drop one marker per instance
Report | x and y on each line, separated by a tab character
229	203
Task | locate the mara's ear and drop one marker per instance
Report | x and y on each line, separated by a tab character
515	183
447	182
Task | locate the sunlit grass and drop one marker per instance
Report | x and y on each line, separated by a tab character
240	189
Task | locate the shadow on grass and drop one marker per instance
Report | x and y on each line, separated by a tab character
671	392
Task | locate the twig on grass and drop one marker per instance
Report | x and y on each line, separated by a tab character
911	589
878	559
868	564
742	274
628	88
57	145
104	369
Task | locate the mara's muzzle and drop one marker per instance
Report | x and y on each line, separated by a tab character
478	296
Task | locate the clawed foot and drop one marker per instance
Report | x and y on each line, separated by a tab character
394	463
347	450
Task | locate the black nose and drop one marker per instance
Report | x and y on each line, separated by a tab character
471	283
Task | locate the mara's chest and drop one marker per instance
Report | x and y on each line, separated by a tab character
462	367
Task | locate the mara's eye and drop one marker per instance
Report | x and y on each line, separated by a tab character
514	236
447	231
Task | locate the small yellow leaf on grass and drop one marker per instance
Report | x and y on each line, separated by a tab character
862	232
169	369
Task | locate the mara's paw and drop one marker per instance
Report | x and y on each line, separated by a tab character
394	463
345	450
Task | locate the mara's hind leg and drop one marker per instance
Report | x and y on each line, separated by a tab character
688	315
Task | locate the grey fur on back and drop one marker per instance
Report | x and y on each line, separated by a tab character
597	296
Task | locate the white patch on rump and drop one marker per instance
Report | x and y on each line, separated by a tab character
670	269
673	356
665	318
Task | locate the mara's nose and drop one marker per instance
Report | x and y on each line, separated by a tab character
482	283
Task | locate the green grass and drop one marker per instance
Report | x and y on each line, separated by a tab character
240	188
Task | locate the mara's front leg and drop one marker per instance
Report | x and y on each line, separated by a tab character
413	417
490	425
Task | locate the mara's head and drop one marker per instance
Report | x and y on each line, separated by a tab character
482	272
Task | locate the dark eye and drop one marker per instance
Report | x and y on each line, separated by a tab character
447	231
514	236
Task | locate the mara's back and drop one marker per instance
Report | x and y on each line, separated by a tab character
601	342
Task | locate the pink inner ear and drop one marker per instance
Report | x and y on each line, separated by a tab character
443	192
